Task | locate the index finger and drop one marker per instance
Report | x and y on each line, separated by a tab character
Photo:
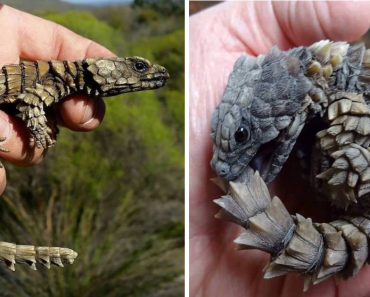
33	38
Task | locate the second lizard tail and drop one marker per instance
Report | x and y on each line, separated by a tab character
11	254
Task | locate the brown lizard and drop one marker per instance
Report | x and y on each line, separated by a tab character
31	88
266	104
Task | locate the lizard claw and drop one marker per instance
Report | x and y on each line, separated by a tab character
42	140
43	137
49	131
32	142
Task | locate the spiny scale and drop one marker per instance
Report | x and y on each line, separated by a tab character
295	243
32	86
347	139
11	254
272	97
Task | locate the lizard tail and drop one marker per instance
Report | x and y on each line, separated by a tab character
11	254
295	243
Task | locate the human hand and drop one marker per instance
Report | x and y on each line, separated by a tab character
218	36
29	37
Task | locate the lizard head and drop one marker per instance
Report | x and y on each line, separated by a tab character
113	76
260	115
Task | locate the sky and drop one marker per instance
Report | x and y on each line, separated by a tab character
98	2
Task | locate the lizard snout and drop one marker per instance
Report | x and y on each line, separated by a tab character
222	169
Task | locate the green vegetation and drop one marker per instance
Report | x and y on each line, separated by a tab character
115	195
167	6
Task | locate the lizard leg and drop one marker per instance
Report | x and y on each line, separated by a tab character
348	178
52	127
31	108
346	143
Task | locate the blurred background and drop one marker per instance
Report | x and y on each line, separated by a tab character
115	195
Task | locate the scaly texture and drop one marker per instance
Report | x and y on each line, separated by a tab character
34	86
11	254
266	104
29	89
296	244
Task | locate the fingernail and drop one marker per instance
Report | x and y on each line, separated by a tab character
89	112
5	128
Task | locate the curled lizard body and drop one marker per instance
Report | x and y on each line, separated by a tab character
267	102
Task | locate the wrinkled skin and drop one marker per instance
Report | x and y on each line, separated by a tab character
217	38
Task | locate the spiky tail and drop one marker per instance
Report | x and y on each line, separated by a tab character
295	243
11	254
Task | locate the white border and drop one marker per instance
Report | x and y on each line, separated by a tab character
186	147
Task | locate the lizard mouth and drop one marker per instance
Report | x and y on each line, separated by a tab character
263	159
158	81
156	77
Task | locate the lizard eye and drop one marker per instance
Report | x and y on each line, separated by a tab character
241	134
140	66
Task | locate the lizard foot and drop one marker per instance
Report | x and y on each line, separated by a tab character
42	138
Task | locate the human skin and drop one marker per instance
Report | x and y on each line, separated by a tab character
218	36
29	37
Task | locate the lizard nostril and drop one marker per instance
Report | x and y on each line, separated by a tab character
222	169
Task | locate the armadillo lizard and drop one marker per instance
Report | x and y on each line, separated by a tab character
31	88
267	102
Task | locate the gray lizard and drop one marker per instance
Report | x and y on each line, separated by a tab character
266	104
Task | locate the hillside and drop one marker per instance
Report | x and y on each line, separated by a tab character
34	5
